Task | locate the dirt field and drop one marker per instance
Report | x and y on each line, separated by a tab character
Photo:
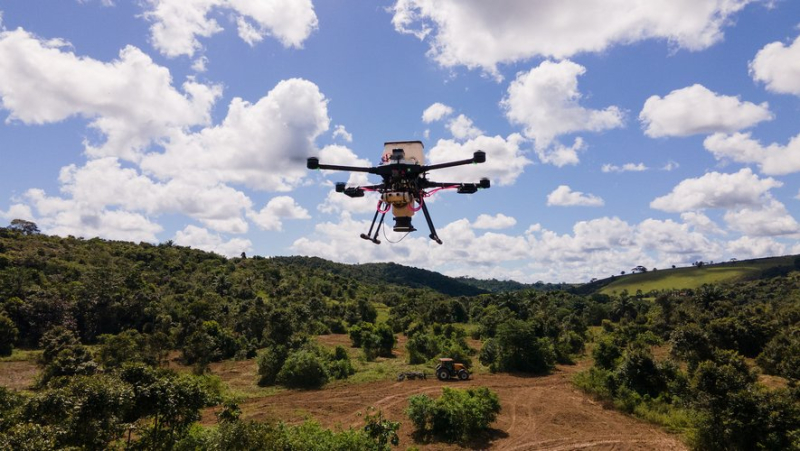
539	413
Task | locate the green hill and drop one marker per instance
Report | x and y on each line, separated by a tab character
696	276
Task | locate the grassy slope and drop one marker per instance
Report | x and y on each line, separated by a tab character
682	278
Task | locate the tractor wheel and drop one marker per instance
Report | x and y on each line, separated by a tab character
443	375
463	375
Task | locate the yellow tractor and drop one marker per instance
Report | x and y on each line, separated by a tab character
448	369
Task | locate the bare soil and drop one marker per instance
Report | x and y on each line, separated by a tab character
539	413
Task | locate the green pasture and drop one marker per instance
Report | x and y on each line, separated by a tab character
695	277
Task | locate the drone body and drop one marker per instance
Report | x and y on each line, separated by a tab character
405	185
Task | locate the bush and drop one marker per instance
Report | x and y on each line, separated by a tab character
606	354
8	335
270	361
303	369
456	415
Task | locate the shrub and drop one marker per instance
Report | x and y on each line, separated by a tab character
456	415
606	354
303	369
270	361
8	335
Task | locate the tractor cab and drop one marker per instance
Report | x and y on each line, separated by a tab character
448	369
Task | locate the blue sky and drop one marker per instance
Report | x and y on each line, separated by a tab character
618	133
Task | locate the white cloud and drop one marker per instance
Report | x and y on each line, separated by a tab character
717	190
341	132
462	128
130	101
545	101
747	247
700	222
778	67
770	219
63	217
262	145
481	34
201	238
499	221
278	208
594	248
773	159
436	112
697	110
560	155
18	211
505	160
563	196
627	167
670	166
177	24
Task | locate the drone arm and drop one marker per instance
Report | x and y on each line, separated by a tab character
313	163
477	157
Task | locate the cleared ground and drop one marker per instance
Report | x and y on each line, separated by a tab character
539	413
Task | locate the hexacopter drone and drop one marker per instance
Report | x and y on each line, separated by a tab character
405	185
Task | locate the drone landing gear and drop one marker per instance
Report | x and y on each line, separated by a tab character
433	234
374	238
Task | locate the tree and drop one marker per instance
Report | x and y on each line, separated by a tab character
8	335
24	227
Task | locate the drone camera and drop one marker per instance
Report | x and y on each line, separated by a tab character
485	183
353	192
403	224
467	188
340	187
479	157
312	163
398	154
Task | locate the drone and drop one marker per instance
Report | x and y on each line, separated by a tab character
405	185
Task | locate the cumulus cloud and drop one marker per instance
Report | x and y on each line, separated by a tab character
505	161
499	221
181	164
436	112
748	247
697	110
341	132
480	34
178	24
545	102
770	219
560	155
627	167
717	190
774	159
462	128
277	209
262	145
130	101
200	238
63	217
778	67
563	196
594	248
700	222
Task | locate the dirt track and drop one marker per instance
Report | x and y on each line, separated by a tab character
539	413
